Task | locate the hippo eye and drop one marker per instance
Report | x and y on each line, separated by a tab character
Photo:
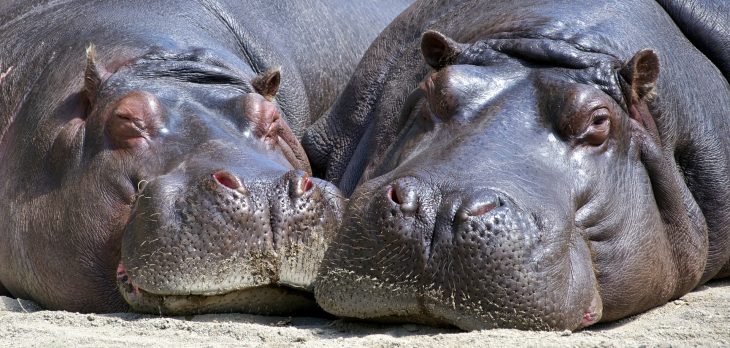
131	125
133	119
434	107
271	136
598	130
126	129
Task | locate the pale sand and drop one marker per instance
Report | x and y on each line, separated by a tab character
701	318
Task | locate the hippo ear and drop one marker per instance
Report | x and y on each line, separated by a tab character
93	75
641	72
5	74
267	83
438	50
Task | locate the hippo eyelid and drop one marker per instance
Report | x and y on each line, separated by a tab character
599	113
136	122
598	127
139	124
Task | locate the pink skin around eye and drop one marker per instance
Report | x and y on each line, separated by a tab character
272	129
133	120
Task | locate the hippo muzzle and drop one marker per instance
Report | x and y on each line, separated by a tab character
441	255
203	239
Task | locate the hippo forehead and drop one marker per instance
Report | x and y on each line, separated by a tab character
200	97
191	75
575	63
514	93
464	89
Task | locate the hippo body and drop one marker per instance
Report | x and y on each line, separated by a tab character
149	151
529	164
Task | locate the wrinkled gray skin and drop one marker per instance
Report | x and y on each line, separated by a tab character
161	169
528	164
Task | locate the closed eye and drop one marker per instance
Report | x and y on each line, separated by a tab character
598	130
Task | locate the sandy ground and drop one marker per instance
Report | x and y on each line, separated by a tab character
701	318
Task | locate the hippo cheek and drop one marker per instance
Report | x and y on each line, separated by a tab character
222	245
493	269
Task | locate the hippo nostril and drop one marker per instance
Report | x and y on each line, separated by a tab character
300	185
478	208
227	179
404	197
393	195
306	184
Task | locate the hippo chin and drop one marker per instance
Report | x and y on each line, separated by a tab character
162	169
528	165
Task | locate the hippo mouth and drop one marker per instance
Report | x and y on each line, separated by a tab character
265	299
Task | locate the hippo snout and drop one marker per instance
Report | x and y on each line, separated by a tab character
412	201
471	258
298	182
203	240
406	193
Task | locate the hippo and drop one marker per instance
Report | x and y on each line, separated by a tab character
150	156
537	165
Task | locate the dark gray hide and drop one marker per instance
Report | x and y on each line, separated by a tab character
162	165
532	164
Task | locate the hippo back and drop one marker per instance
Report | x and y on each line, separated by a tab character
707	25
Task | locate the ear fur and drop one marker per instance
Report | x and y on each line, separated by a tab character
5	74
267	83
641	73
438	50
92	75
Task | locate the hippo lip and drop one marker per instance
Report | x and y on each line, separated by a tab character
593	313
267	299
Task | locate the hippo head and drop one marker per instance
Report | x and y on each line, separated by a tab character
210	190
527	188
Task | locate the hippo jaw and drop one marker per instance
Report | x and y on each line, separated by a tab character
276	299
269	300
